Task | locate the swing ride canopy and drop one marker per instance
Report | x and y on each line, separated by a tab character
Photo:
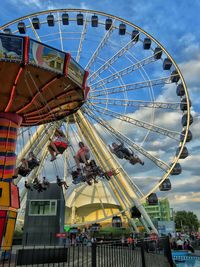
38	82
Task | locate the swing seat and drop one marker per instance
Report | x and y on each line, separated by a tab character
100	172
74	175
77	177
23	172
61	149
28	187
133	161
36	186
93	163
75	182
33	163
46	184
119	154
83	178
61	146
127	157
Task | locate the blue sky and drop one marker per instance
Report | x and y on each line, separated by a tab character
176	25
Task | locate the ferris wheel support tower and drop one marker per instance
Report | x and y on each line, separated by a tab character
124	186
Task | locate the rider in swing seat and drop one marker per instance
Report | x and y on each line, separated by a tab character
32	161
124	153
61	183
27	186
27	165
59	145
77	176
82	155
90	170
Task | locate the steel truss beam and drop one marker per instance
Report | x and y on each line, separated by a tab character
100	46
135	103
123	72
129	87
60	31
81	40
111	60
139	123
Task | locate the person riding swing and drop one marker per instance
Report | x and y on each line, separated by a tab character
61	182
124	153
59	145
82	156
27	165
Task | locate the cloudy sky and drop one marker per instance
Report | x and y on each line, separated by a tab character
176	25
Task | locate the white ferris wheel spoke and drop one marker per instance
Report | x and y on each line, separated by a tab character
139	123
83	34
123	72
135	103
110	61
98	49
130	87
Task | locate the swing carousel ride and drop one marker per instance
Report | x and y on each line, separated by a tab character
101	80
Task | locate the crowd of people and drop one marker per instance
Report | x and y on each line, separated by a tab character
181	242
87	238
151	242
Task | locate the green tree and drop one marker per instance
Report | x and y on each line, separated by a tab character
186	220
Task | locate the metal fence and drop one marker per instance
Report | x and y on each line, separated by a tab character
105	254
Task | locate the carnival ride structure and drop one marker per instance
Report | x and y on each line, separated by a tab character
135	94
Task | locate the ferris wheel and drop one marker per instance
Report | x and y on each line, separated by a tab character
135	95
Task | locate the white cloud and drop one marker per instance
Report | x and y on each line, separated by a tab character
195	127
191	70
188	39
183	183
48	5
192	162
185	197
55	5
30	3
